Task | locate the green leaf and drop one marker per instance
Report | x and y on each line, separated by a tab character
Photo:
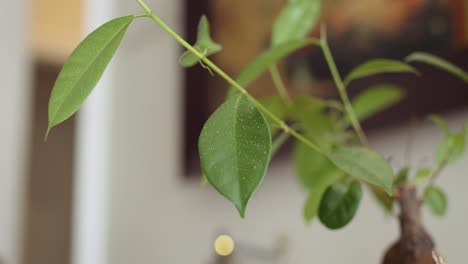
422	175
384	200
235	146
204	45
312	168
266	60
84	68
376	99
438	62
451	148
436	200
296	20
436	119
339	205
378	66
364	164
305	106
318	125
312	204
276	106
402	176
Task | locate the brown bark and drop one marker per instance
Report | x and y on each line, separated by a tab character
415	245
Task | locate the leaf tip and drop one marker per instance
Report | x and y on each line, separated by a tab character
241	210
47	133
389	190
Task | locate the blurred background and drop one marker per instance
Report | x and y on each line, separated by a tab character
120	182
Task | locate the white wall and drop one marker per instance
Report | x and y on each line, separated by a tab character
150	214
14	113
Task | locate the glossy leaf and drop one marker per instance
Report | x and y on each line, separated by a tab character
204	44
438	62
312	204
364	164
378	66
436	200
440	123
296	20
402	176
84	68
451	148
376	99
266	60
235	146
339	204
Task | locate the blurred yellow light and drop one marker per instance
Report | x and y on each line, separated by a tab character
224	245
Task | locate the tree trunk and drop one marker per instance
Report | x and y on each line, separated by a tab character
415	245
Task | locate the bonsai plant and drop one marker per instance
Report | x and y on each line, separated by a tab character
331	155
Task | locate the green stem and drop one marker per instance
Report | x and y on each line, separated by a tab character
342	89
279	84
438	169
228	79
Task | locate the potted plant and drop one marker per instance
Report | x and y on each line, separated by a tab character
332	158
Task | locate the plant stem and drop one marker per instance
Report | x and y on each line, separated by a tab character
342	89
279	84
438	169
228	79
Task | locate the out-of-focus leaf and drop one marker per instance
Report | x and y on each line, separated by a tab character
364	164
296	20
376	99
204	44
378	66
304	106
266	60
384	200
436	119
451	148
84	68
438	62
339	204
276	106
318	126
312	168
436	200
278	142
235	146
422	175
402	176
